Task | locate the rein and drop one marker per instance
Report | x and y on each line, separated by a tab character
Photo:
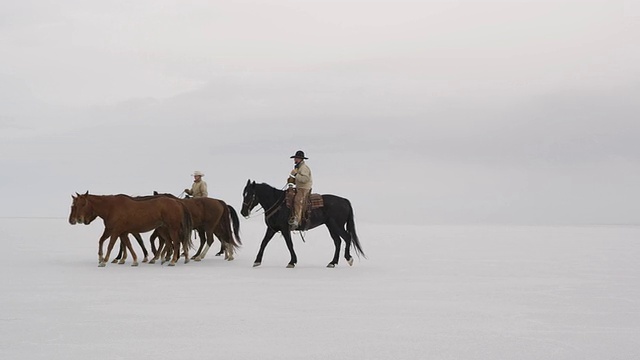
274	208
270	211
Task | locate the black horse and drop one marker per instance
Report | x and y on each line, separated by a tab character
336	214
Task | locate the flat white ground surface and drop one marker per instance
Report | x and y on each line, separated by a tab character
425	292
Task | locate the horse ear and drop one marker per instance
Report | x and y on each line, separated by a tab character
248	181
76	194
155	192
253	183
87	193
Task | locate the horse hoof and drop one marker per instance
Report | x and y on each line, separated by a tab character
152	261
186	260
135	264
197	258
291	266
120	262
350	261
218	254
331	265
102	264
256	264
172	264
115	261
145	260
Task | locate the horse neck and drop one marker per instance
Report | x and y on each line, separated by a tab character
268	195
100	204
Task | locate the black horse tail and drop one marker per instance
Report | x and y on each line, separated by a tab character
225	222
351	229
235	222
141	243
185	228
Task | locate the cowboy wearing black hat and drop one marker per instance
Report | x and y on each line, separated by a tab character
301	176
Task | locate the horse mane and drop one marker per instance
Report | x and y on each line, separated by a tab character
155	193
272	188
137	198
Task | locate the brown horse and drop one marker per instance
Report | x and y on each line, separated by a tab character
122	254
123	215
209	217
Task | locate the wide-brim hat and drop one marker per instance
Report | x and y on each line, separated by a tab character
299	154
197	173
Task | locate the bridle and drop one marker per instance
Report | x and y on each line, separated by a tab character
268	212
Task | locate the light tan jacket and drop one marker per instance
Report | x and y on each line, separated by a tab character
304	180
199	189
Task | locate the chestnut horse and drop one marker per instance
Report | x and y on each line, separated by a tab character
123	214
211	217
122	254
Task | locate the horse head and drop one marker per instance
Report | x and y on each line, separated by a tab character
249	199
81	210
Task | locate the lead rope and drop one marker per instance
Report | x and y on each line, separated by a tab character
301	232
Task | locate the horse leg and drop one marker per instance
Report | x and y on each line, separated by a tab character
176	247
112	242
184	247
123	252
336	241
208	236
124	238
227	243
165	250
267	237
175	239
347	247
141	243
197	256
163	247
222	248
157	252
289	242
103	237
152	241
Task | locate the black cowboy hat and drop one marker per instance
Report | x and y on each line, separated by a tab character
299	154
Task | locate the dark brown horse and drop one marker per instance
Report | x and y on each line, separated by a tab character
123	215
210	217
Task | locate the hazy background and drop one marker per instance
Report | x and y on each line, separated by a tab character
418	111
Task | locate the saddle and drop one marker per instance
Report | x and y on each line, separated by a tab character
314	201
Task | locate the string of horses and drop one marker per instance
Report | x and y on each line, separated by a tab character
172	219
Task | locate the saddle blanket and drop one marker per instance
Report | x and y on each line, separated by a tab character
315	200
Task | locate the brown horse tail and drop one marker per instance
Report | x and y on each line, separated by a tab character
186	227
235	221
351	229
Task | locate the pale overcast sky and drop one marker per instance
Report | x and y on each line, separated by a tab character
418	111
